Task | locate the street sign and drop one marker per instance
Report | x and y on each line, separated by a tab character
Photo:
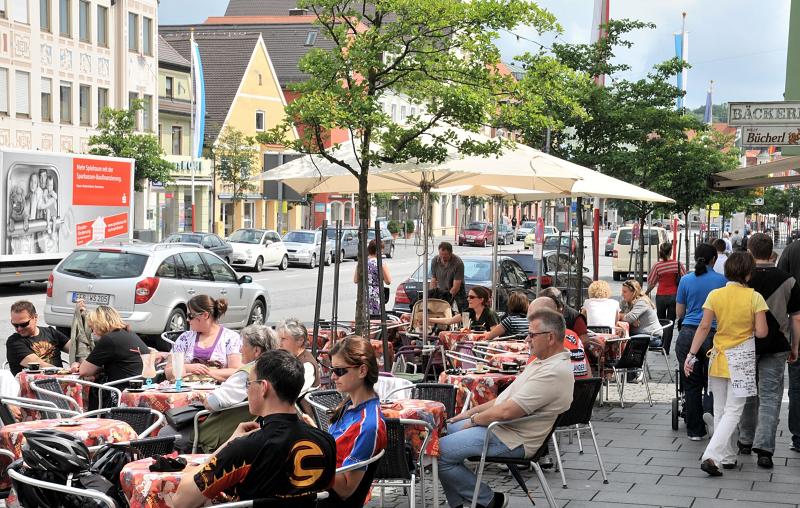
758	202
776	135
746	114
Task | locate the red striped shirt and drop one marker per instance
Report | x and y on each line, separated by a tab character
664	273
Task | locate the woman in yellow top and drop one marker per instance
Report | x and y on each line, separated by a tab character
740	312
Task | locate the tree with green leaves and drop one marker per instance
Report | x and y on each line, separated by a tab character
439	54
118	138
236	158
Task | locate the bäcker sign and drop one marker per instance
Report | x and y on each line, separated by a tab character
746	114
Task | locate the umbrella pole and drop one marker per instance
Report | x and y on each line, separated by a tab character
387	367
425	195
496	209
318	301
335	307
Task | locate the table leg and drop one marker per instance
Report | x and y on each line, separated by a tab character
435	470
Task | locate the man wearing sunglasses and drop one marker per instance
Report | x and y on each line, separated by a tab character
33	343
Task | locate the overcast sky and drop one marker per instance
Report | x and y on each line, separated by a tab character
740	44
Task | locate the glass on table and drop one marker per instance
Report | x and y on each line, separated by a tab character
178	367
466	322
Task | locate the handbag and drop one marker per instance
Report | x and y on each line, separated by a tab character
181	417
385	294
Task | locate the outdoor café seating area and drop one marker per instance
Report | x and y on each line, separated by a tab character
429	378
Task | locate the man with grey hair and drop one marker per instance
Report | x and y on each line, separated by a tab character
218	427
293	337
531	393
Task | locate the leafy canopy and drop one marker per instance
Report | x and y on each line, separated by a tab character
237	157
117	138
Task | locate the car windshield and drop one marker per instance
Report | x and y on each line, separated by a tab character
526	261
551	242
528	224
299	237
626	234
384	234
476	226
185	239
101	264
252	236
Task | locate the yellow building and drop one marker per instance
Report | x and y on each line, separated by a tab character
242	92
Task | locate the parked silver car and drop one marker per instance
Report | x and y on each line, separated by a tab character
304	246
525	228
149	284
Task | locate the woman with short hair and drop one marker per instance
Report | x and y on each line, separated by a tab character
293	337
117	351
600	309
515	322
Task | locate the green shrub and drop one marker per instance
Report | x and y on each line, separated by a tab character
409	226
393	227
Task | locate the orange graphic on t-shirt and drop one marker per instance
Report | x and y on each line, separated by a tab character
44	350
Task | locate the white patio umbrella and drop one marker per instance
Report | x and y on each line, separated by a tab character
518	166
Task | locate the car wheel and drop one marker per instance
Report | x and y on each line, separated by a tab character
341	257
313	261
257	314
328	259
259	264
176	322
390	254
284	263
460	243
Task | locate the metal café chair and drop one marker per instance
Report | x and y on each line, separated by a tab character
397	469
143	420
323	401
632	359
665	323
50	389
440	392
94	495
514	463
578	418
203	414
146	447
317	496
43	406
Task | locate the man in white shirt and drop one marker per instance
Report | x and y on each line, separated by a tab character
720	246
533	392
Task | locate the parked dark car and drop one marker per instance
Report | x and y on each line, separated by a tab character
386	238
610	243
209	241
531	267
505	235
477	233
477	272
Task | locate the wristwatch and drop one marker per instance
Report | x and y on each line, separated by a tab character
472	420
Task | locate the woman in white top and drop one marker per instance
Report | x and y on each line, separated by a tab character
600	309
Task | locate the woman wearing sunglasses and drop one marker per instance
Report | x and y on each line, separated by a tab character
357	424
481	316
209	348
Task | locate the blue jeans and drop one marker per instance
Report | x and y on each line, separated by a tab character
665	308
759	421
457	480
794	402
694	385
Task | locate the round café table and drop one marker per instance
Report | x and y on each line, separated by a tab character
497	360
164	398
92	431
484	387
147	489
80	393
511	346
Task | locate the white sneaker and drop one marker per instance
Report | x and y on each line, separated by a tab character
708	418
695	438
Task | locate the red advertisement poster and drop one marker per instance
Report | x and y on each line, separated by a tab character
101	182
101	228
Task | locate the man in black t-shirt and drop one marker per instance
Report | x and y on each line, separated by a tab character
759	422
283	457
447	274
32	343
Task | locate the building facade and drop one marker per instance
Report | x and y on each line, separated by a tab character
63	61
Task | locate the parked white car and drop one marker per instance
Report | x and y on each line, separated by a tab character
257	248
304	247
149	284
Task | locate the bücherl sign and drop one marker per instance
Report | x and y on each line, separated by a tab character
766	123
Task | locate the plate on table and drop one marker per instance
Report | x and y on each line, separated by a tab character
172	389
204	386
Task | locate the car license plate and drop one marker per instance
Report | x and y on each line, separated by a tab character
469	237
92	298
293	258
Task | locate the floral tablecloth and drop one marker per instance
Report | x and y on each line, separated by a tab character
92	431
484	387
497	360
146	489
605	347
78	392
509	345
162	400
451	340
429	411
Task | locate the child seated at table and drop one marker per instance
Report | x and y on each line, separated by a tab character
281	457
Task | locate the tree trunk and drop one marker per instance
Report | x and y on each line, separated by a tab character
362	316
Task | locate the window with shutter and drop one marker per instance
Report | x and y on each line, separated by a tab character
47	100
21	11
3	90
23	94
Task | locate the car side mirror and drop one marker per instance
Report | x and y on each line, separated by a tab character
244	279
267	242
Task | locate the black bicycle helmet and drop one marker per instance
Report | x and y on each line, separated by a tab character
55	450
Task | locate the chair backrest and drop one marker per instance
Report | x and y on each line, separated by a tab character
51	384
635	352
398	461
151	446
440	392
583	397
436	309
322	401
599	329
139	418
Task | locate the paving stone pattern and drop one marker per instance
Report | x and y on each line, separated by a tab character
648	464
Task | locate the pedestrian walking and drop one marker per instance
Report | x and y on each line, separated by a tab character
514	223
665	274
790	262
740	312
374	282
736	240
759	423
719	266
693	290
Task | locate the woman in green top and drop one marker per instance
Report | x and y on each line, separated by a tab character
481	315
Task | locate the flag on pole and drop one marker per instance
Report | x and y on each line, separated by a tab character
682	53
707	116
199	102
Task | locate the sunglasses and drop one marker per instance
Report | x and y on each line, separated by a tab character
21	325
341	371
471	297
192	315
249	382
